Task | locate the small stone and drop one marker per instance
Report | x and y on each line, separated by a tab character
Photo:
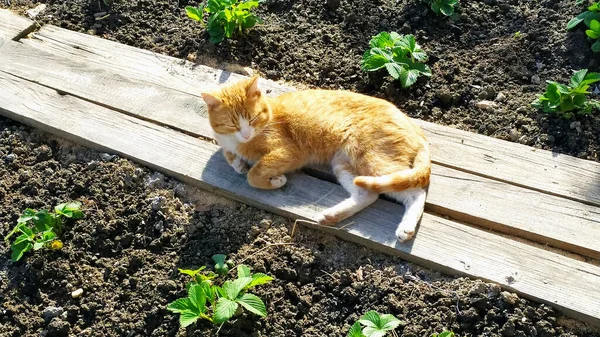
159	226
34	12
478	289
486	105
58	328
99	14
10	158
50	312
158	202
501	97
514	135
509	298
535	79
107	157
77	293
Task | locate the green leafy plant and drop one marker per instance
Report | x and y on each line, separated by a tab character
225	17
443	334
568	99
372	324
445	7
214	303
594	33
592	13
39	229
591	18
399	54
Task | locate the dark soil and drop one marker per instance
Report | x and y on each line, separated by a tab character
476	57
140	227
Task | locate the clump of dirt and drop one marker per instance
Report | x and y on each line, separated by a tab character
502	50
141	226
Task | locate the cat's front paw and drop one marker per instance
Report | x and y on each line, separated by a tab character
405	233
278	181
240	166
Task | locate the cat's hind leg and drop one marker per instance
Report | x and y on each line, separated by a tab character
414	203
359	198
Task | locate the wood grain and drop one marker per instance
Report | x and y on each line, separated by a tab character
13	26
540	170
159	88
564	283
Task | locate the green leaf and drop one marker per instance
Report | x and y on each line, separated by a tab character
355	331
408	77
220	266
578	78
595	25
38	245
27	215
591	78
193	13
190	272
259	279
70	210
382	40
596	47
48	235
243	271
447	10
435	6
370	319
209	292
253	304
389	322
43	221
592	34
197	297
374	62
23	238
233	288
19	249
394	69
180	305
187	318
224	310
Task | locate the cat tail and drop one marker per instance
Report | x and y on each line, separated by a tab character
415	177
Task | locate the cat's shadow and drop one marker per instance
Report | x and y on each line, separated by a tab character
303	197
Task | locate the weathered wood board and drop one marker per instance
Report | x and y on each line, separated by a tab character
13	26
569	285
516	164
159	88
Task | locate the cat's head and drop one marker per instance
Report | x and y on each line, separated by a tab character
239	109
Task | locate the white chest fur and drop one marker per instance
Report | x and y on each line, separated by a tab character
227	142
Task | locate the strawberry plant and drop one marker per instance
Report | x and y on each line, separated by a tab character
218	303
591	18
565	100
445	7
39	229
399	54
372	324
225	17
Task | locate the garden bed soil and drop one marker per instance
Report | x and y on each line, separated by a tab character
502	50
140	226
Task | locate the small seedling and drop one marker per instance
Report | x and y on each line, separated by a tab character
39	229
400	54
594	33
443	334
518	35
565	100
214	303
445	7
373	324
225	17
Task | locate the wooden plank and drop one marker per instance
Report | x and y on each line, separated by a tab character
518	164
13	26
540	170
567	284
142	84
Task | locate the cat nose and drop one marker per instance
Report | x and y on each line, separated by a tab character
246	133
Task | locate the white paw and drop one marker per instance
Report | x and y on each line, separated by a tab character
240	166
405	233
328	217
278	181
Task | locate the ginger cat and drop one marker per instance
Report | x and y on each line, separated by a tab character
372	146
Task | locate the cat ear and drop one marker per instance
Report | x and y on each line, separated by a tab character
253	91
211	101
